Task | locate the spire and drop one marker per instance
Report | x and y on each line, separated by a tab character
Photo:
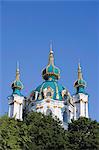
17	72
80	84
51	56
17	84
51	72
51	47
79	72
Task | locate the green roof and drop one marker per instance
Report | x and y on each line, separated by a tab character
54	85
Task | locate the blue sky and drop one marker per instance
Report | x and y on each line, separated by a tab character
26	30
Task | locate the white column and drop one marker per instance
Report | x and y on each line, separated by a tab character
9	113
36	94
20	111
87	109
16	111
74	112
80	108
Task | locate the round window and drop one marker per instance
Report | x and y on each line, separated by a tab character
48	94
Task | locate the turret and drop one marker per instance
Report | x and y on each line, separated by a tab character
51	72
81	97
16	99
80	84
17	85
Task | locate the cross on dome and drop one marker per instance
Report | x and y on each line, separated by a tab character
17	72
79	72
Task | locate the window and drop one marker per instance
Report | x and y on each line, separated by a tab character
69	115
48	112
65	96
11	110
33	97
42	95
48	94
65	119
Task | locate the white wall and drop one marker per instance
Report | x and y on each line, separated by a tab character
16	107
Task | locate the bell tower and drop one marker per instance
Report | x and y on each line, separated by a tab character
16	99
80	99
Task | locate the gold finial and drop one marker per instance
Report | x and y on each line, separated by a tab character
17	71
79	72
51	56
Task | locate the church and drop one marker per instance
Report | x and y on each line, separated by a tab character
50	97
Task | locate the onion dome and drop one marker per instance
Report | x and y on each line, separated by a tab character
53	88
50	88
80	84
51	71
17	84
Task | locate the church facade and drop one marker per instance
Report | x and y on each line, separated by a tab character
50	97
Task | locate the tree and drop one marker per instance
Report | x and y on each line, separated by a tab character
46	132
8	133
83	134
36	132
13	134
40	132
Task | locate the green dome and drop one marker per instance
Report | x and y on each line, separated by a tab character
50	87
80	82
51	71
17	84
55	87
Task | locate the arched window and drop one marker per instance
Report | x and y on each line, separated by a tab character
65	96
42	95
33	97
48	94
65	116
48	112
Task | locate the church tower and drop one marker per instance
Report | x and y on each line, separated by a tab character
16	99
81	97
50	97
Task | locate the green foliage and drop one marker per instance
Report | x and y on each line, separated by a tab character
36	132
10	131
46	133
39	132
83	134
